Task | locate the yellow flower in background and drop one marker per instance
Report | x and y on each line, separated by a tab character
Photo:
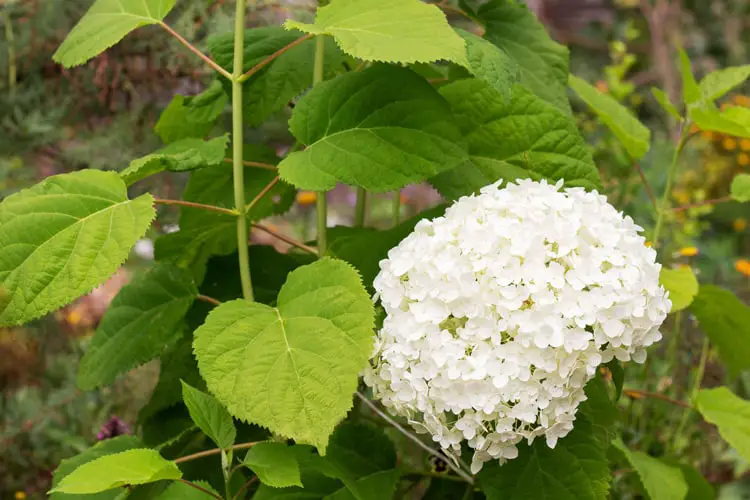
708	135
739	225
20	495
306	197
745	144
729	144
648	244
689	251
743	266
743	159
741	100
73	317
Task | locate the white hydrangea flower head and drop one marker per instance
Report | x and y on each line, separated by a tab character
499	312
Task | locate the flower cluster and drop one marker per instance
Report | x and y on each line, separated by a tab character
499	312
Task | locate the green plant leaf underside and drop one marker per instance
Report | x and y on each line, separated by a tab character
661	481
730	414
275	464
210	416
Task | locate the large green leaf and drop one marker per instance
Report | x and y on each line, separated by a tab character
576	469
275	464
106	23
543	62
281	80
100	449
732	121
179	156
398	31
681	284
490	63
195	116
730	414
63	237
717	83
136	466
741	188
143	318
182	491
293	368
660	480
726	321
526	137
380	129
632	133
378	486
212	418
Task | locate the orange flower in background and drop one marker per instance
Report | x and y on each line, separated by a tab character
739	224
602	86
741	100
743	266
745	144
708	135
689	251
20	495
729	144
306	197
743	159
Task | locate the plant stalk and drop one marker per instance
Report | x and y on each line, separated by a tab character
238	167
664	207
360	210
396	207
10	38
321	204
693	393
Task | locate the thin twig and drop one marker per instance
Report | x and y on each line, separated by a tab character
646	185
199	487
244	487
206	298
637	394
273	56
285	238
192	204
262	193
256	164
415	439
195	51
715	201
214	451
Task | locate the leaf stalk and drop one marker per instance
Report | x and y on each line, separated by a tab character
321	203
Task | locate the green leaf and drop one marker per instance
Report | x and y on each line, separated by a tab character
275	464
100	449
691	93
397	31
62	237
361	449
618	376
490	63
730	414
726	321
698	487
144	316
378	486
137	466
182	491
681	284
187	117
526	137
600	410
632	133
576	469
732	121
212	418
717	83
179	156
106	23
293	368
660	480
281	80
741	188
543	62
663	100
380	129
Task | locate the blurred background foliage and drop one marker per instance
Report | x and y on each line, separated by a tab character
101	115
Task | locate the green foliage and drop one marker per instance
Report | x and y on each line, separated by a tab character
397	31
660	480
68	234
179	156
144	317
741	188
691	92
106	23
663	99
134	466
725	319
210	416
730	414
380	129
540	141
717	83
315	342
681	284
275	464
191	117
490	63
182	491
633	134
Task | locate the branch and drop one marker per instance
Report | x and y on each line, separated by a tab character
191	204
646	185
214	451
195	51
256	164
200	488
285	238
466	477
715	201
273	56
244	487
636	394
262	193
210	300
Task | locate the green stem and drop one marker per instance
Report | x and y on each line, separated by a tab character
697	381
674	345
664	207
360	209
238	168
396	207
12	78
320	202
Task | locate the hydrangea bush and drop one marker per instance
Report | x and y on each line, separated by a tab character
508	311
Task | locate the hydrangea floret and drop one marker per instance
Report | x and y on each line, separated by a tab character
499	312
